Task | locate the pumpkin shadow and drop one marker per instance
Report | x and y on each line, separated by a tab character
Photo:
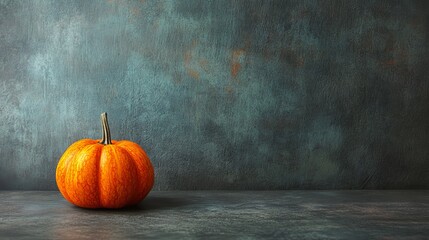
162	203
155	203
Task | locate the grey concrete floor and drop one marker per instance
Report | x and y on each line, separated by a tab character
223	215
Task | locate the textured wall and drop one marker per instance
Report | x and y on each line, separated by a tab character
221	94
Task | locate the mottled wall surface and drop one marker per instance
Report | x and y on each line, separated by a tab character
232	94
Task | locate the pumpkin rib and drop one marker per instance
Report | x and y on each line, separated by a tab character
104	151
117	175
104	164
65	161
95	171
115	157
144	166
99	178
137	185
132	168
68	173
76	189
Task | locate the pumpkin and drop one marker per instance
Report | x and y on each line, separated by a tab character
104	173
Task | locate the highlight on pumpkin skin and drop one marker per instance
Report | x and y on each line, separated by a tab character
104	173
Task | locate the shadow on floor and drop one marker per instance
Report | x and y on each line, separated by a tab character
148	204
162	203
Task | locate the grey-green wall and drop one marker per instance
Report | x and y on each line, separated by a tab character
231	94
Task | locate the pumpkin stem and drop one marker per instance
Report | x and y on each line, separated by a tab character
106	139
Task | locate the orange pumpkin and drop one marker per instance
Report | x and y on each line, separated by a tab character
104	173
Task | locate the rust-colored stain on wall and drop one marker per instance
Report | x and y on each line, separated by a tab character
187	59
236	60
